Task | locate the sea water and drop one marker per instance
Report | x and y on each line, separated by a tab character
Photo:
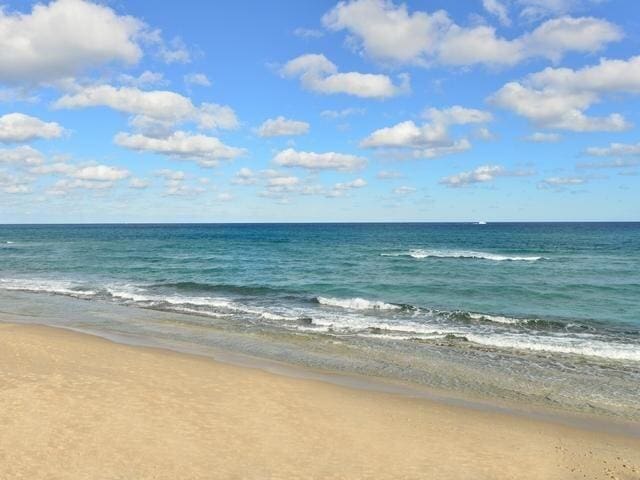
548	312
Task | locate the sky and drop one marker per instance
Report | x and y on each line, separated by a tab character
289	111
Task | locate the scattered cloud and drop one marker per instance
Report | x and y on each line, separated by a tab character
206	150
430	139
23	155
320	75
64	38
102	173
199	79
145	79
497	9
345	112
615	150
138	183
391	34
319	161
18	127
542	137
481	174
388	175
559	97
280	126
560	183
308	32
403	190
152	110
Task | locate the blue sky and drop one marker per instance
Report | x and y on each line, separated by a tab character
363	110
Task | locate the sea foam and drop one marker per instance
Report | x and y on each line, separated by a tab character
420	253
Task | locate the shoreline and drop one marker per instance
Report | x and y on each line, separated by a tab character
350	379
52	372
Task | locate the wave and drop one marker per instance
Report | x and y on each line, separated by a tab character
357	303
59	287
420	253
216	287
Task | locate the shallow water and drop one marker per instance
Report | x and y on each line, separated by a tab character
546	312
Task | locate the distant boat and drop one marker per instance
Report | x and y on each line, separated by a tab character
481	223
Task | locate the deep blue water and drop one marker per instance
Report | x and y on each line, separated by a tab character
569	289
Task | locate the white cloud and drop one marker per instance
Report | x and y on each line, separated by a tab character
388	175
18	127
430	139
615	163
174	51
498	9
199	79
345	112
23	155
614	150
206	150
169	174
308	33
245	176
12	184
151	108
340	189
224	197
404	190
390	33
102	173
138	183
63	38
481	174
559	97
536	9
558	183
280	126
542	137
145	79
319	161
320	75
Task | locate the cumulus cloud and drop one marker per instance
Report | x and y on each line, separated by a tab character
404	190
18	127
319	161
559	97
245	176
145	79
498	9
155	108
390	33
318	74
542	137
199	79
102	173
345	112
280	126
388	175
615	150
342	188
63	38
536	9
430	139
481	174
206	150
13	184
560	183
21	156
308	33
138	183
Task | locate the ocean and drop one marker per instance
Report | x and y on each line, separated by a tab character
543	313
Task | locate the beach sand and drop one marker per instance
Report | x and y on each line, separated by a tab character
75	406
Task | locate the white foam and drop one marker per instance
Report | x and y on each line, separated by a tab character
420	253
495	318
575	346
46	286
356	303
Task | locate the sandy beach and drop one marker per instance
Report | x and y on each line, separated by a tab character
77	406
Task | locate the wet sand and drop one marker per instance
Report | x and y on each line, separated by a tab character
75	406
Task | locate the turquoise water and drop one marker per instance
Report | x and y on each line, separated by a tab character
546	303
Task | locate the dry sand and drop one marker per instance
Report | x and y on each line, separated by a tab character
74	406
